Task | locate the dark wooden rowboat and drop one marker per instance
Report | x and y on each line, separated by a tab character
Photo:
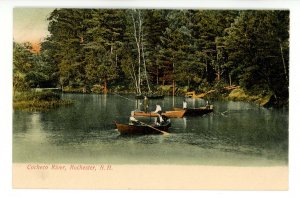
154	96
169	114
139	97
196	111
126	129
151	96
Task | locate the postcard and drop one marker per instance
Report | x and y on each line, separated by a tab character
150	98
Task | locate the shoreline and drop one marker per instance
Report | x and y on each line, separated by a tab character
227	93
238	94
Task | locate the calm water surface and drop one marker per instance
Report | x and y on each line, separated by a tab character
237	133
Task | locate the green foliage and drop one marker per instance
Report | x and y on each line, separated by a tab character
30	69
38	101
32	95
85	45
22	63
43	105
257	47
70	89
97	89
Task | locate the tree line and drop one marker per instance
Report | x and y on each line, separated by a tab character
140	50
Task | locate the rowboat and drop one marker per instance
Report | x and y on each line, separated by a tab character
196	111
151	96
127	129
154	96
169	114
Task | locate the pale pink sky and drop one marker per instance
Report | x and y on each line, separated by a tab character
30	24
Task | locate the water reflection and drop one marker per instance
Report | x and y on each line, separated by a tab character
195	102
184	123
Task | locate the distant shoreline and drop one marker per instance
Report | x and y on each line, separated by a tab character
264	99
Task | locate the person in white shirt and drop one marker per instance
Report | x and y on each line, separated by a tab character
184	104
133	120
158	109
207	105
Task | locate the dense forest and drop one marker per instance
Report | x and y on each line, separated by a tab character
143	50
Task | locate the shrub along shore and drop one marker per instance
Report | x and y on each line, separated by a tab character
38	101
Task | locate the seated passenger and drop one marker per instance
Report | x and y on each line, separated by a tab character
184	104
161	120
158	109
133	120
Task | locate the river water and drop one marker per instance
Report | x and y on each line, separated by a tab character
235	134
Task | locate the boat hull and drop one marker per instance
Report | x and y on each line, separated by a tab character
156	96
169	114
126	129
196	111
150	96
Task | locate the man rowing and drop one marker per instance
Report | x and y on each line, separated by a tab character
184	104
161	119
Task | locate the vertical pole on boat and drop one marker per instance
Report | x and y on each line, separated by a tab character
173	92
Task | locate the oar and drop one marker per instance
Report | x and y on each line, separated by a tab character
163	132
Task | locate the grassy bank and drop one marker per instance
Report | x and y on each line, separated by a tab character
38	101
241	95
264	99
231	93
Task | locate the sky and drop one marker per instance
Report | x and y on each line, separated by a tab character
30	24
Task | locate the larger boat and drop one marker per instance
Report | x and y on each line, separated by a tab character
150	96
169	114
143	129
196	111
